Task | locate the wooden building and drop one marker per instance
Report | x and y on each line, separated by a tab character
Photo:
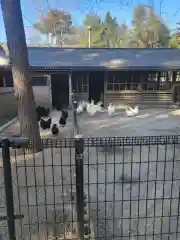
143	76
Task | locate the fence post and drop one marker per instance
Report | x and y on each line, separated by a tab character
74	108
8	188
79	149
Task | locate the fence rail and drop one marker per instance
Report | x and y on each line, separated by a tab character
94	188
97	141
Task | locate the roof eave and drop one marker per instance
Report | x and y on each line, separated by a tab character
100	68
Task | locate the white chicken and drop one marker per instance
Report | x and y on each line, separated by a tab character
79	109
98	106
136	110
132	111
92	103
129	112
91	111
91	108
111	109
81	106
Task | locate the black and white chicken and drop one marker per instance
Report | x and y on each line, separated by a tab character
55	129
45	124
38	118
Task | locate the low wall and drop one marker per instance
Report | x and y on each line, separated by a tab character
145	97
81	96
8	108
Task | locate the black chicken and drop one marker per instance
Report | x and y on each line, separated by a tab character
65	114
45	124
38	117
62	121
42	111
58	108
54	129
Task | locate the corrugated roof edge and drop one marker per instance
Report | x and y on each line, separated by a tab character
68	68
100	68
144	49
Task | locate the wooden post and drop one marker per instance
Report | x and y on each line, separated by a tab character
70	90
105	89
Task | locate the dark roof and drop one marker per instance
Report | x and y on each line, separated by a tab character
104	58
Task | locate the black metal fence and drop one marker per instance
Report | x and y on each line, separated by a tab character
98	188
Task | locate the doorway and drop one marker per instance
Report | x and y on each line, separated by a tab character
96	86
60	90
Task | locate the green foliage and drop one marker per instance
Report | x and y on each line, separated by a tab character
175	38
55	22
147	30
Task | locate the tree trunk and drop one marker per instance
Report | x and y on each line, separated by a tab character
15	34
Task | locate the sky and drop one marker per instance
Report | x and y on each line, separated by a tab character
121	9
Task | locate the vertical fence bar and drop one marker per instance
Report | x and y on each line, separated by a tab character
79	149
8	188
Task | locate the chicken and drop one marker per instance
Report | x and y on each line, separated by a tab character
81	106
100	104
58	108
42	111
92	103
136	110
38	118
65	114
79	109
129	112
87	106
62	121
45	124
54	129
91	110
111	109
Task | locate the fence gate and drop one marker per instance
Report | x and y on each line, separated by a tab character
91	188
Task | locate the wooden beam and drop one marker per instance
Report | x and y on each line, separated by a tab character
70	89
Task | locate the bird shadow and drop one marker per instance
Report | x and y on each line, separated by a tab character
125	179
114	150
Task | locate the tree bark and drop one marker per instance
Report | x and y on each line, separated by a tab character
12	16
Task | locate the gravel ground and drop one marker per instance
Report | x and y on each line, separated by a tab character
116	191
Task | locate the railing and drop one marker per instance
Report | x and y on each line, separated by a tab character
93	188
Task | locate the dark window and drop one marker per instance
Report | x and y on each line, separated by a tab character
1	81
119	81
110	87
39	81
116	87
9	79
80	83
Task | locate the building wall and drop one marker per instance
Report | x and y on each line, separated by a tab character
164	98
139	90
42	94
42	97
8	108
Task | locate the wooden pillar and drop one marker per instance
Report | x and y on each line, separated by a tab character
105	89
70	89
50	90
